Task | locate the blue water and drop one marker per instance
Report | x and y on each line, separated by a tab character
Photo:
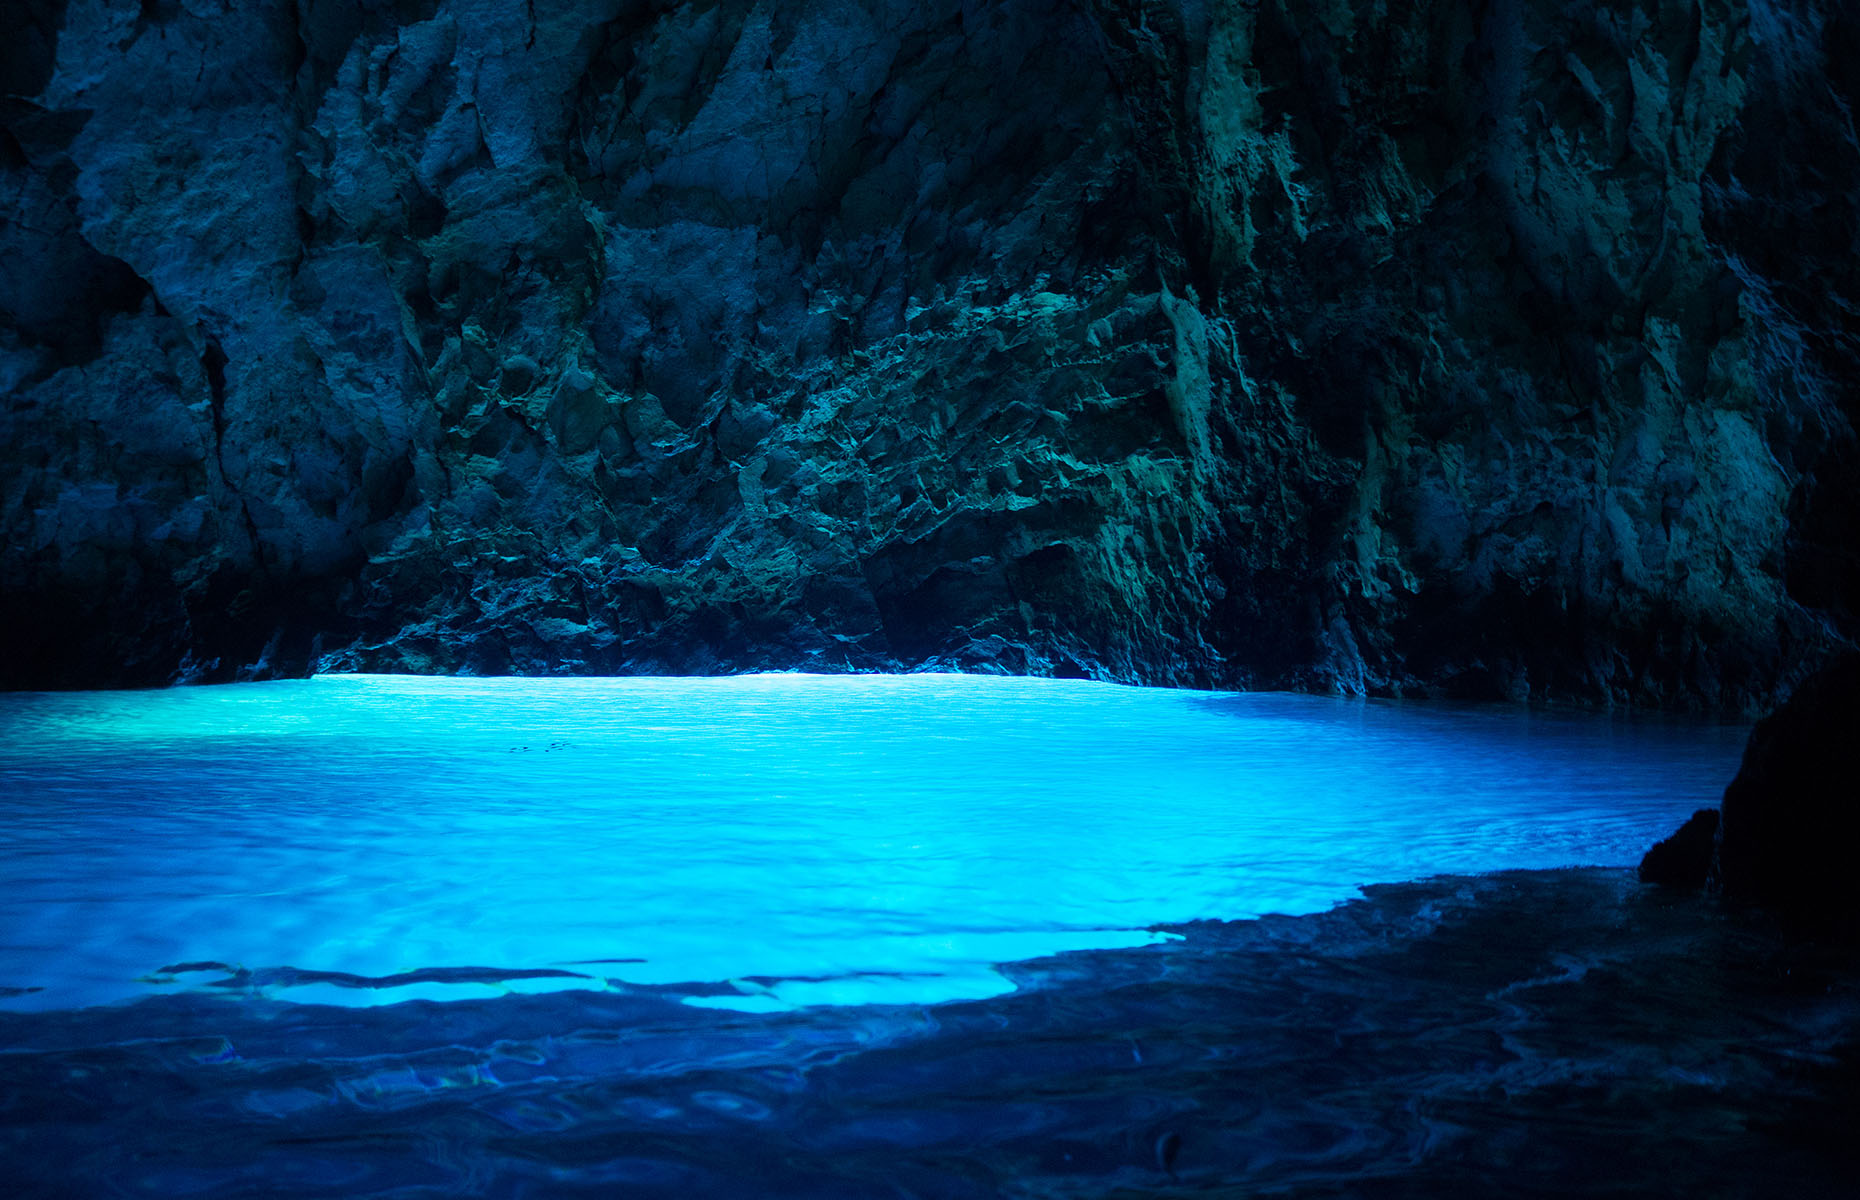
760	843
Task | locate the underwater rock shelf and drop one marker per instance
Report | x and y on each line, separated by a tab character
1557	1033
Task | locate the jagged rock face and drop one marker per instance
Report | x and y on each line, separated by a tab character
1403	348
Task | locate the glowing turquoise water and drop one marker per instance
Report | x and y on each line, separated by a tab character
785	839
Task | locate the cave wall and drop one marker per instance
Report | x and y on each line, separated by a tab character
1504	349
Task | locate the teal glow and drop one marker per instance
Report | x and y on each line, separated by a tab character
786	839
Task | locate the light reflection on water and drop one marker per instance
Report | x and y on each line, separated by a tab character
816	840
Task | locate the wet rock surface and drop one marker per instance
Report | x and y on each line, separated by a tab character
1404	349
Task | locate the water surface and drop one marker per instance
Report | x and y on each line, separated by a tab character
759	842
1536	1034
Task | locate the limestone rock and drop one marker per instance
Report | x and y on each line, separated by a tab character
1395	348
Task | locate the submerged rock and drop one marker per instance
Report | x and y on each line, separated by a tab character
1684	860
1790	836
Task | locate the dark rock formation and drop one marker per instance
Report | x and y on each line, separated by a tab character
1790	836
1684	860
1493	350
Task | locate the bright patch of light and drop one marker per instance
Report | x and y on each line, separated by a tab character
819	840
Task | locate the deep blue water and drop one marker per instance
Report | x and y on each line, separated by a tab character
877	936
